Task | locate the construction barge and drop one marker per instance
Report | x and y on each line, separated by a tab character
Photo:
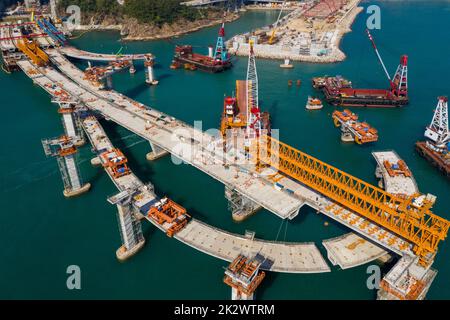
241	122
235	112
339	91
352	130
216	61
436	149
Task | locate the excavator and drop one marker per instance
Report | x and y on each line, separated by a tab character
275	26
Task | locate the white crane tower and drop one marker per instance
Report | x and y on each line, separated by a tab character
438	131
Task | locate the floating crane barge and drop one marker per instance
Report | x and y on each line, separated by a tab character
436	148
243	121
216	61
339	91
235	111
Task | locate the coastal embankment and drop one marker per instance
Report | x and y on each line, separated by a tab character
311	33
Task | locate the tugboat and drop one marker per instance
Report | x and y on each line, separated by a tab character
314	104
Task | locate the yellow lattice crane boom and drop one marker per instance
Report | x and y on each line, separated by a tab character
409	218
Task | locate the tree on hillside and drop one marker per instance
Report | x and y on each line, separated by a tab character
146	11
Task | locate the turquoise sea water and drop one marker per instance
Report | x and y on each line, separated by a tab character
42	233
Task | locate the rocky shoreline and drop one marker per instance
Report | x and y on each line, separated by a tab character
132	30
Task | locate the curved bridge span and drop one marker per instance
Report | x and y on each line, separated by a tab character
73	52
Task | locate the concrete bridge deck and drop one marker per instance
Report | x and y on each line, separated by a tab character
187	143
73	52
350	250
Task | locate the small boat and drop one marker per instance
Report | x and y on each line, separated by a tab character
175	65
314	104
132	69
287	64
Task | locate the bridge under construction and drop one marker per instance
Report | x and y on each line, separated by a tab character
403	225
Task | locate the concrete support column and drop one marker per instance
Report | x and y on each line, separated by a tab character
346	136
132	68
130	232
72	182
240	206
109	82
210	52
70	120
156	153
237	295
149	73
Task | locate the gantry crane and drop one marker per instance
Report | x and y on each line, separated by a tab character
409	218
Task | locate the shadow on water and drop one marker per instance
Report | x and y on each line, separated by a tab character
194	213
97	176
142	87
148	231
269	279
164	76
272	109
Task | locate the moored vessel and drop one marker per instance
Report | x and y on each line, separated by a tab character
216	61
314	104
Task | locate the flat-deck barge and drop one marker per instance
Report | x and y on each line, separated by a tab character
216	61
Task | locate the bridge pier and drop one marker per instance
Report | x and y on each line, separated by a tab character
132	68
237	295
244	275
108	82
346	135
240	206
149	73
130	232
65	151
74	187
71	123
156	153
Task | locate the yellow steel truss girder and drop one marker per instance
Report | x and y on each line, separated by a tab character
419	226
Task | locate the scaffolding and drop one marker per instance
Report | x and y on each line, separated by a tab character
65	152
239	205
244	276
130	228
